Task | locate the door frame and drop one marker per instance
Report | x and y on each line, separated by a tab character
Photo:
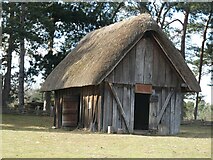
145	89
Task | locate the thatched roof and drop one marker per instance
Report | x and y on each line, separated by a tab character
99	52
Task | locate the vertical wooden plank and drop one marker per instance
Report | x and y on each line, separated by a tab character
94	113
126	76
174	79
92	97
153	115
148	61
54	108
89	109
132	65
163	96
156	65
125	105
119	91
80	111
132	108
99	113
172	114
118	72
159	65
107	102
139	61
115	115
162	126
105	110
82	108
162	71
123	102
102	88
159	106
84	112
121	97
167	113
109	109
57	110
168	76
128	103
178	111
60	110
86	99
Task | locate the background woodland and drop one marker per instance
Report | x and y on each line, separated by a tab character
37	36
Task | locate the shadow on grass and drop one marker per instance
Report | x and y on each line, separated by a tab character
44	124
32	129
193	129
34	123
196	129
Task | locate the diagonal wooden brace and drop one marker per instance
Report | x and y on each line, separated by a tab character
164	107
120	108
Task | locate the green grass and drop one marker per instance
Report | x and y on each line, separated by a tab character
33	137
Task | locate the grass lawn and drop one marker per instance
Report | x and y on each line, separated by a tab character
33	137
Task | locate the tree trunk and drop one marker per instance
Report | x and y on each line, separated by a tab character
7	78
47	95
201	63
160	11
21	62
1	89
212	84
183	43
183	37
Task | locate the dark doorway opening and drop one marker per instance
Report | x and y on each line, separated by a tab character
141	113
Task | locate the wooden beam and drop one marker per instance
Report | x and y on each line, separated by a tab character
143	88
164	107
120	108
132	108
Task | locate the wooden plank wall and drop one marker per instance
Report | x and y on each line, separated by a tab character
112	116
59	94
57	106
145	63
164	74
91	108
170	121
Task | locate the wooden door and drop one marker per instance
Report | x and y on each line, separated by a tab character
70	111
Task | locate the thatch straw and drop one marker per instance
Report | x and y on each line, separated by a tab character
99	51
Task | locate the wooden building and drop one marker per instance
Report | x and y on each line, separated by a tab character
127	75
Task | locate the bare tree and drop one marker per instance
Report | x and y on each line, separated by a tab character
21	61
201	62
8	59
